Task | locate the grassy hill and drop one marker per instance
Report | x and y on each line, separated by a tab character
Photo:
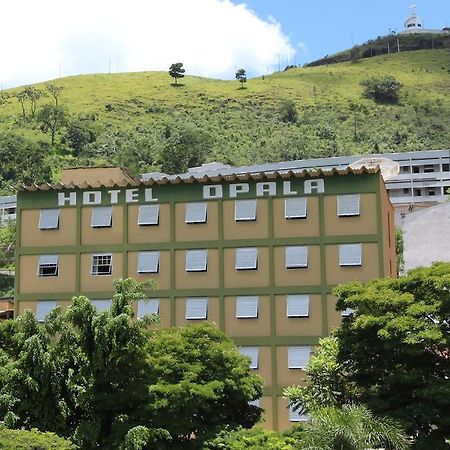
135	119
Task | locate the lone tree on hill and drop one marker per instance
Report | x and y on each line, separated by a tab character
176	71
55	92
241	77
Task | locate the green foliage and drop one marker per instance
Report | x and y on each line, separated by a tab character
395	349
399	248
52	119
176	71
55	92
78	135
32	440
288	111
241	77
6	285
141	438
7	244
202	380
382	89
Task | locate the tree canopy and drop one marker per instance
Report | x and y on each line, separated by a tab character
176	71
241	77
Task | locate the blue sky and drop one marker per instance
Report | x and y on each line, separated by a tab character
213	38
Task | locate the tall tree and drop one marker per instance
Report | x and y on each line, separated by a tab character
241	77
33	96
52	119
21	98
55	92
176	71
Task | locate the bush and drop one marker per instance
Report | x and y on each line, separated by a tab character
32	440
384	90
288	112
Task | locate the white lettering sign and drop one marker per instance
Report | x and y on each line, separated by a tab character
92	198
238	188
71	198
266	188
212	191
131	195
149	195
314	187
114	196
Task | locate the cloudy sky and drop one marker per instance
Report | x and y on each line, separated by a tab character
45	39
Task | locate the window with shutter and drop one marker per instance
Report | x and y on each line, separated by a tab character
295	208
297	415
49	219
148	262
348	205
43	308
296	257
196	308
247	307
350	254
253	354
195	212
298	357
101	305
48	266
101	216
196	260
147	306
148	215
246	258
245	210
101	264
297	305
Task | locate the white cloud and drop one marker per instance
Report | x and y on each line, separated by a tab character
42	38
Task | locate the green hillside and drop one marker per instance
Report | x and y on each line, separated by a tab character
141	121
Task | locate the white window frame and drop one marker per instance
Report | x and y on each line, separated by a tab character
43	309
147	306
196	212
196	260
49	219
348	205
98	258
247	307
297	305
101	304
296	256
148	262
297	358
148	215
242	258
252	353
48	266
196	308
101	217
245	210
295	208
344	257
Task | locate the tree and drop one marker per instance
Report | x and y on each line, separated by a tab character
4	99
33	96
288	112
241	77
78	135
382	89
21	98
176	71
55	92
395	348
203	381
399	249
52	119
7	244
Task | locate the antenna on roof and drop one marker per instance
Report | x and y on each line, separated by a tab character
413	9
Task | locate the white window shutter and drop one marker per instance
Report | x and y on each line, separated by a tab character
147	306
48	260
297	416
148	262
348	205
350	254
148	215
245	209
246	258
196	260
253	354
247	307
101	305
298	357
43	308
195	212
295	207
296	256
101	216
196	308
297	305
49	219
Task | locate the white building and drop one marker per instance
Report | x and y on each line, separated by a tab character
414	24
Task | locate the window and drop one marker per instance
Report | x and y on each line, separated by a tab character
350	254
416	169
196	308
245	210
253	354
428	168
101	216
49	219
101	305
298	357
148	262
102	264
148	215
297	305
247	258
296	257
247	307
348	205
297	415
43	308
196	260
195	212
48	266
445	167
145	307
295	208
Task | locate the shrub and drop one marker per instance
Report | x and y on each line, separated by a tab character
384	90
32	440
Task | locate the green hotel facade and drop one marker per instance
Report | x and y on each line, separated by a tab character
257	254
